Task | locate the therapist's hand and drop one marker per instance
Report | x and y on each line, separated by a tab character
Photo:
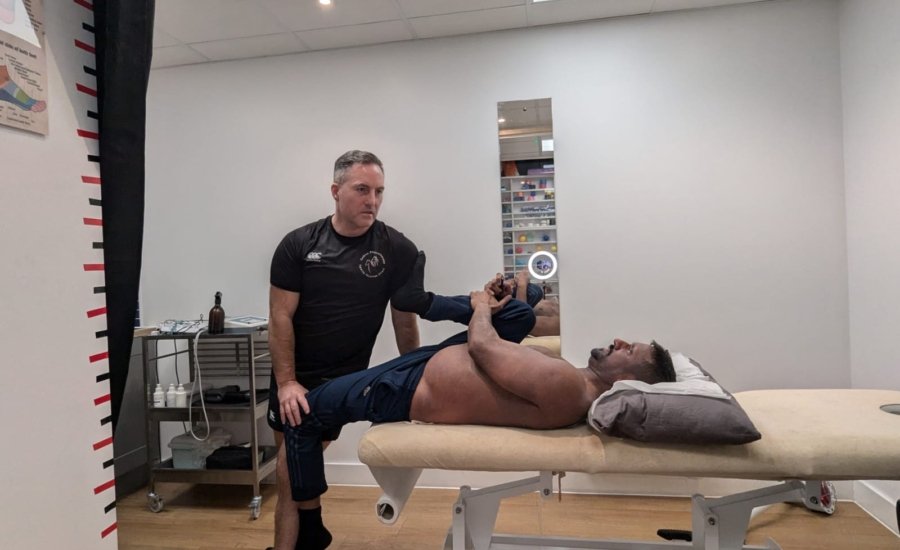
291	401
486	298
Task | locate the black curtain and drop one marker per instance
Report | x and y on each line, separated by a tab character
124	45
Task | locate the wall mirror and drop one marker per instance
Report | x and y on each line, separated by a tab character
528	202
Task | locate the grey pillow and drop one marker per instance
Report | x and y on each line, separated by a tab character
670	418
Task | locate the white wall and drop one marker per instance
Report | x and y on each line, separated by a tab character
870	65
704	151
48	468
698	161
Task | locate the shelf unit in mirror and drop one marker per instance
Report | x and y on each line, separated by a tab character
528	205
528	187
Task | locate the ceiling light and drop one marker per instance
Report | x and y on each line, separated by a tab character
325	2
539	1
501	120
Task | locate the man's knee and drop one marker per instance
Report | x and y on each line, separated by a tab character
533	294
517	312
514	321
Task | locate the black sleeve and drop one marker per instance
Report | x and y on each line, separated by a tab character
286	271
405	253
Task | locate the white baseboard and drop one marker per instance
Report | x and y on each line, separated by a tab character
876	504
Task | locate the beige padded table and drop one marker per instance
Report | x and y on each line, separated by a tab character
812	435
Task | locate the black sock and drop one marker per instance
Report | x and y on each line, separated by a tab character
313	534
412	295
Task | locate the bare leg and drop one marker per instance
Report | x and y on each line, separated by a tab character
287	525
287	522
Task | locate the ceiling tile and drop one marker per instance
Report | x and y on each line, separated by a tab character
304	15
161	39
469	22
564	11
175	55
671	5
534	113
207	20
254	46
356	35
423	8
230	29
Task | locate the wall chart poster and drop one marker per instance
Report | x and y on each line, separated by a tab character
23	66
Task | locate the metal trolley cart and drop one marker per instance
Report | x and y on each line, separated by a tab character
239	353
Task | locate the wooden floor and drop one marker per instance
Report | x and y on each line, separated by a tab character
206	517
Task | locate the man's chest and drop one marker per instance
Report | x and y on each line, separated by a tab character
361	268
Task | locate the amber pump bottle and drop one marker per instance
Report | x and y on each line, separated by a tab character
217	316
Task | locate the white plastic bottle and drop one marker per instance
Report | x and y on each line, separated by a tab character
159	397
170	396
180	396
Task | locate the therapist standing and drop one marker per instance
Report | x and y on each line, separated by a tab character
330	283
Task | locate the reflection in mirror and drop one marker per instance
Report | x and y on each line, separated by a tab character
528	203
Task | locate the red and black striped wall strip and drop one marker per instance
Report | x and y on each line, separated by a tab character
84	40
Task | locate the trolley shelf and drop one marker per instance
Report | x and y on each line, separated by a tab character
241	354
164	472
217	412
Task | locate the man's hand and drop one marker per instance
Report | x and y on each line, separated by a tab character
291	400
523	277
486	298
499	287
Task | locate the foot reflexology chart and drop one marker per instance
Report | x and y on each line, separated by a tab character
23	66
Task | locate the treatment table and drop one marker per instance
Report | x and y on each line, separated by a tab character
807	436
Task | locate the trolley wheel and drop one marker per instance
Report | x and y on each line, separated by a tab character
255	505
155	503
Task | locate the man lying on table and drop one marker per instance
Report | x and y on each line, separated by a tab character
479	376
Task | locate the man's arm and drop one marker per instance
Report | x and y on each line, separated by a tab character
552	384
291	395
522	280
406	330
545	326
546	318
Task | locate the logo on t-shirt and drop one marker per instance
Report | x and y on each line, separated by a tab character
314	257
372	264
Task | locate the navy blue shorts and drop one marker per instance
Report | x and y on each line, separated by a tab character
274	415
380	394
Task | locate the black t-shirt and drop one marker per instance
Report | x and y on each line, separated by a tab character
344	285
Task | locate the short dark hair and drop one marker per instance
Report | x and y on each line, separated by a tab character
662	363
348	159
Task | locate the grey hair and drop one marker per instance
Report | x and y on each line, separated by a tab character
348	159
